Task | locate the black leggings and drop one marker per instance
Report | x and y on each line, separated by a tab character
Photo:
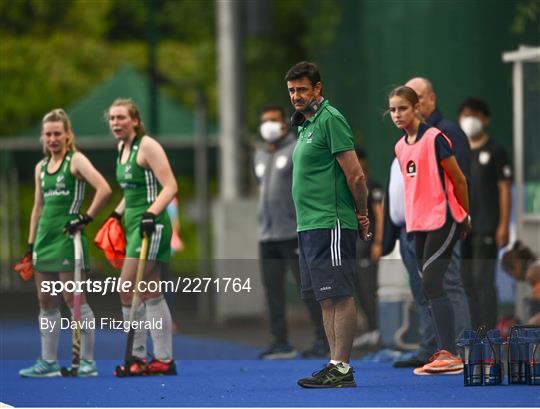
433	254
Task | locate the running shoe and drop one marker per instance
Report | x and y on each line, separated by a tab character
135	367
410	361
422	372
443	361
329	377
41	369
156	367
87	368
279	351
320	349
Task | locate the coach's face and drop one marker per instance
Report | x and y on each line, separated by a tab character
302	92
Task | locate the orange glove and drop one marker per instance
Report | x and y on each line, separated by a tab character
25	267
110	238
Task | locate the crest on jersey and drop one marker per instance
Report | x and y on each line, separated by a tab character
411	168
60	182
484	157
127	172
281	161
260	169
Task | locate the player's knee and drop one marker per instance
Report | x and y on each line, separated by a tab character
432	286
47	301
125	298
68	298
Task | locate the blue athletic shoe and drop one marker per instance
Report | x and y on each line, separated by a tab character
87	368
41	369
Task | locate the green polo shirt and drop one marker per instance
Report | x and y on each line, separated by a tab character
320	192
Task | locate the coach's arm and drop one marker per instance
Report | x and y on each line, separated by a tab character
356	180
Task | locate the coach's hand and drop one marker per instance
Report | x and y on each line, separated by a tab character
364	226
77	223
465	228
148	224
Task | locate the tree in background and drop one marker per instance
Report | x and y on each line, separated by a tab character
53	52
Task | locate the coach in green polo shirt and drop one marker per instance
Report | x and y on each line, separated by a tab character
330	197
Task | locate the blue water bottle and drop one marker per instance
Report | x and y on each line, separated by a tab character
517	356
521	355
471	346
533	356
491	358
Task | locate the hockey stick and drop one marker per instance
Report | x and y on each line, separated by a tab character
76	333
129	358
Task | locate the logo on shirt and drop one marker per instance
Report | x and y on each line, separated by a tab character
127	172
60	182
484	157
325	288
281	161
259	170
309	137
411	168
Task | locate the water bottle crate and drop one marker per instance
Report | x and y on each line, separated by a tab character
485	356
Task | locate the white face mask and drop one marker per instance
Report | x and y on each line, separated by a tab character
471	125
271	131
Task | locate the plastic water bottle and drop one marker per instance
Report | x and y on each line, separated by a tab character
471	346
517	357
533	356
491	358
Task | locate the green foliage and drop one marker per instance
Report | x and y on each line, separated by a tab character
39	77
299	28
55	51
527	17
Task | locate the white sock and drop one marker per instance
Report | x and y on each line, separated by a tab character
343	367
139	339
87	334
157	309
49	339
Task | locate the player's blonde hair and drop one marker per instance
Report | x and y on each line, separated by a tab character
59	115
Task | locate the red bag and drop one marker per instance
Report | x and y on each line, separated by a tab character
111	239
25	268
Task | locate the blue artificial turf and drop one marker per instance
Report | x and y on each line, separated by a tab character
210	373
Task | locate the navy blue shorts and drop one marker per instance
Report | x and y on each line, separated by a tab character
327	262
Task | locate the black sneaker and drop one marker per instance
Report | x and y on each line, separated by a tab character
320	349
410	362
329	377
279	351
